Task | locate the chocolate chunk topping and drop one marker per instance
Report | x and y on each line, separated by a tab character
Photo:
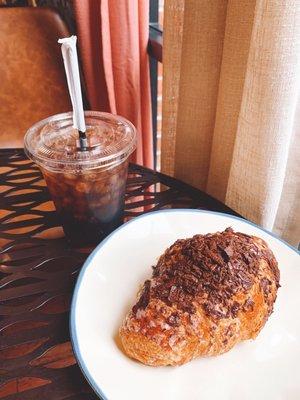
248	305
211	266
208	270
235	309
174	320
144	298
265	283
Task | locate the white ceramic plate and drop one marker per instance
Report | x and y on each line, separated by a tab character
265	369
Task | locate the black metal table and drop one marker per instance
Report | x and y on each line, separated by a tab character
38	270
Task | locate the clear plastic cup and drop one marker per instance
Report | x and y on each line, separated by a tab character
87	187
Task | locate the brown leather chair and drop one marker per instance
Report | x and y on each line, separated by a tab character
32	78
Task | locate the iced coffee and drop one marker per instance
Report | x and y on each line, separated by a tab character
87	187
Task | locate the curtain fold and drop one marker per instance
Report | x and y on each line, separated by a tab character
237	37
236	100
173	31
113	37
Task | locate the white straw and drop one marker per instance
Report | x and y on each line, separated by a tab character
69	53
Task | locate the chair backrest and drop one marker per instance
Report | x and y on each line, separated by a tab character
32	79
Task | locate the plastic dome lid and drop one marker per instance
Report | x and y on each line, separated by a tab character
53	143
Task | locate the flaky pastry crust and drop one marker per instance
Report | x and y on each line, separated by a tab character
206	294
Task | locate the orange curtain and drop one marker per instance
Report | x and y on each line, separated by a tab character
113	38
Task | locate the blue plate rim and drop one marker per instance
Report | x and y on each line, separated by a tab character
73	335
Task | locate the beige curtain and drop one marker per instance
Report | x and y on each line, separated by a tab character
231	119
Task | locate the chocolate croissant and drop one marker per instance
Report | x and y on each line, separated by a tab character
206	294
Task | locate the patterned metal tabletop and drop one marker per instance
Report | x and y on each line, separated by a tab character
38	270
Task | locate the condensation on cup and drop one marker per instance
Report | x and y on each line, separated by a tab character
87	187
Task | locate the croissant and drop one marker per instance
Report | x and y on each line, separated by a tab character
206	294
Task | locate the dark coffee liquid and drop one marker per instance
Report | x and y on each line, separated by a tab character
87	231
90	203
